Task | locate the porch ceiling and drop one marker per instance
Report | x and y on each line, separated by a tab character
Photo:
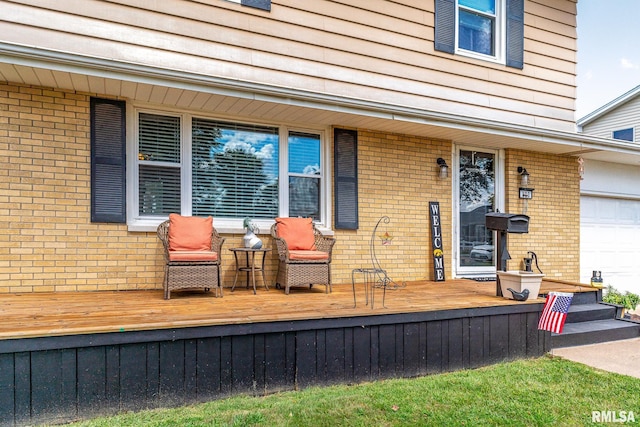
290	106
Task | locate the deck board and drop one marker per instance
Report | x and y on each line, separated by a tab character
73	313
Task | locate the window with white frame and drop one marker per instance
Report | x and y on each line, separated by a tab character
490	30
159	164
623	134
229	170
257	4
304	174
479	29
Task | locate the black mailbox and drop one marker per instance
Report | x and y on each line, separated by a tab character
511	223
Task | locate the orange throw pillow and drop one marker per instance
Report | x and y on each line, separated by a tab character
297	232
190	233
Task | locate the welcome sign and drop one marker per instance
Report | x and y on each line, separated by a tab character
436	242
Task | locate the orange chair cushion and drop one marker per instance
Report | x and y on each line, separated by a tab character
190	233
297	232
193	256
308	255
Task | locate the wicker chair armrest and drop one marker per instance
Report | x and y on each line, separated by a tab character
163	235
219	250
216	243
281	245
283	249
325	244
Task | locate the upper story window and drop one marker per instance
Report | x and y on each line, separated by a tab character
477	27
257	4
491	30
623	134
229	170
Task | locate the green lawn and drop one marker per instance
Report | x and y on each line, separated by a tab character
548	391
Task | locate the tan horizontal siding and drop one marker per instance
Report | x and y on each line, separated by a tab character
383	54
396	17
418	95
548	50
552	26
567	7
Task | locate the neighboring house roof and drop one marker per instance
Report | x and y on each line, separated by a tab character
622	99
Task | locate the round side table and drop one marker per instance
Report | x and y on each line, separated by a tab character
249	266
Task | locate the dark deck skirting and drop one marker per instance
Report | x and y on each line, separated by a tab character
63	378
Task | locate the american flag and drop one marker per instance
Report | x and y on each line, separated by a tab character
555	311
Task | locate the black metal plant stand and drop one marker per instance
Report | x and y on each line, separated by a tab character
376	276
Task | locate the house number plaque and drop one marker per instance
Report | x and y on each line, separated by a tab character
526	193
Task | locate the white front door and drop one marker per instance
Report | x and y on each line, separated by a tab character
476	177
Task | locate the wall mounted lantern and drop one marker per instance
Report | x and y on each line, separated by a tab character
444	169
525	191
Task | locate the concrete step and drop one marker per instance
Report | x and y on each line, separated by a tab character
595	331
588	312
584	297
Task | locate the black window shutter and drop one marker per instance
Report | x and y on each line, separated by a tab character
345	153
258	4
108	155
515	33
445	34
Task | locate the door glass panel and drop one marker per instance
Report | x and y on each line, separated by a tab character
477	197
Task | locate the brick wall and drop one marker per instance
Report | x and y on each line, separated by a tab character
47	242
554	210
398	177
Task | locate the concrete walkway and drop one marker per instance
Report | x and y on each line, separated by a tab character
622	357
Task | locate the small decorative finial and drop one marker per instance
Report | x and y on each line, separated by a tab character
581	167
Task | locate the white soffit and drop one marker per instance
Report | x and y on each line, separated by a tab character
196	92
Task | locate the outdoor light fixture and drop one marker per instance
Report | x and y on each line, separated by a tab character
524	176
444	169
525	191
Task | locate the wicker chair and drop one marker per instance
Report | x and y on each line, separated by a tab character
191	269
303	267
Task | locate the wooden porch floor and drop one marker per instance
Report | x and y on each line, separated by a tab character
72	313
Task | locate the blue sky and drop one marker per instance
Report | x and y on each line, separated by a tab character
608	51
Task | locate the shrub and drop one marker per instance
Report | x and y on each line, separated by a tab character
627	299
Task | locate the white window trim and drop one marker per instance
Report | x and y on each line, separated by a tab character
500	56
137	223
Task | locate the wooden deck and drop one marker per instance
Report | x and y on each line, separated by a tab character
74	313
68	356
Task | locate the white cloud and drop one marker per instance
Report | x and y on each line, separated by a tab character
266	152
238	145
626	64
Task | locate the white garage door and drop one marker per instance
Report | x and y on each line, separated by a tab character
610	241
